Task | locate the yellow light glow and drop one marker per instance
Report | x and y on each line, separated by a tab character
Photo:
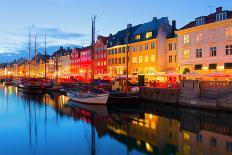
220	67
186	136
205	68
149	148
138	143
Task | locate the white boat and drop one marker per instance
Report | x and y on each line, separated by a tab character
89	98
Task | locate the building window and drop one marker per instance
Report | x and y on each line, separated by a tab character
152	45
146	58
140	47
199	138
170	46
134	60
186	39
148	34
140	59
146	47
134	48
221	16
198	67
175	58
199	53
123	60
213	51
229	146
199	37
152	58
212	66
116	61
123	49
186	54
228	66
112	51
108	51
200	21
119	50
137	37
228	49
119	61
228	32
170	59
116	51
213	142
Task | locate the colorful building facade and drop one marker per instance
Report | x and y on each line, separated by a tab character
100	58
205	45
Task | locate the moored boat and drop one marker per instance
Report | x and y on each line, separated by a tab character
31	86
88	98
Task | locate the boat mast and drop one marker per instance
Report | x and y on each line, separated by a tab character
45	53
35	55
92	47
29	56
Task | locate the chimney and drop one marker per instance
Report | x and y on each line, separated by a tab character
129	26
154	19
219	9
174	24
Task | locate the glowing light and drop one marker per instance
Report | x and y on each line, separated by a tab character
138	143
205	68
220	67
149	147
186	136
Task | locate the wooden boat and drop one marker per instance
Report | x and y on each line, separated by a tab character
31	86
88	98
8	82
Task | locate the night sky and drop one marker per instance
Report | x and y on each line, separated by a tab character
68	22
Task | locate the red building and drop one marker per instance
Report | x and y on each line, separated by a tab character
100	57
75	55
83	64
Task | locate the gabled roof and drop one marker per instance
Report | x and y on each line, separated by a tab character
62	51
152	26
86	48
211	18
103	39
120	38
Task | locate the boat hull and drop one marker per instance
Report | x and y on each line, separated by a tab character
97	100
30	90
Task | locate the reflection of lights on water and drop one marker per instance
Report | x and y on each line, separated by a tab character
10	90
138	143
149	147
16	90
5	91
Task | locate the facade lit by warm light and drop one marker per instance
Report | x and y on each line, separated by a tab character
205	46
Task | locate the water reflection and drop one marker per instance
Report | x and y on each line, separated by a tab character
44	124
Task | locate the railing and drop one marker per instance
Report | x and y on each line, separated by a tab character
215	89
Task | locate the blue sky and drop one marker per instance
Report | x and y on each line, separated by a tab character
68	22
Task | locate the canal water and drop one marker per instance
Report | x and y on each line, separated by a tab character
48	124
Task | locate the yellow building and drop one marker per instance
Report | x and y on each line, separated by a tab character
117	60
146	47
